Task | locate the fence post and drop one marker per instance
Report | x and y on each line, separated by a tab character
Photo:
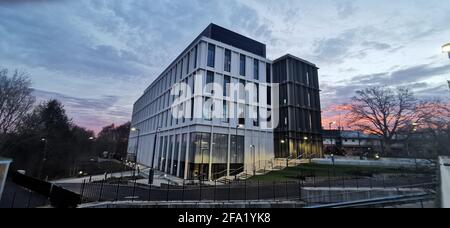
384	183
258	192
215	189
314	179
117	191
343	182
29	198
299	190
13	199
273	188
82	190
357	182
245	189
200	192
286	190
329	180
182	192
101	191
150	192
168	189
134	188
229	190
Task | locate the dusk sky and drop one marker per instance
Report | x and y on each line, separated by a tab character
97	57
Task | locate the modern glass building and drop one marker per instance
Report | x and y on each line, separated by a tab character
214	111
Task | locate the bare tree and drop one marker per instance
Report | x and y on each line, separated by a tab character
16	101
383	111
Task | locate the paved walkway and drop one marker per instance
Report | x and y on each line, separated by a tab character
92	178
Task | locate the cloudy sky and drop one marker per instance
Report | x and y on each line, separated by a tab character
98	56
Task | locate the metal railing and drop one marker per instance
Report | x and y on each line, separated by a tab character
332	190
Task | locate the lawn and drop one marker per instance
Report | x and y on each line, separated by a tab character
310	170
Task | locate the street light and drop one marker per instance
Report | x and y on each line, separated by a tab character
331	123
44	159
137	146
446	49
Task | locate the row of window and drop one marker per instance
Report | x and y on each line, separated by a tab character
211	62
185	112
185	65
166	100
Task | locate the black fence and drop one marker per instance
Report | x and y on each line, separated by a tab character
336	188
24	192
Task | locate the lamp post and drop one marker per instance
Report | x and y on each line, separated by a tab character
446	49
331	123
44	159
137	146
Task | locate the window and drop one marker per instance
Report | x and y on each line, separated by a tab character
241	114
226	85
256	69
242	65
309	99
237	151
256	121
257	92
211	55
192	108
175	155
307	78
183	156
269	95
195	56
225	112
181	69
169	155
227	63
209	82
188	62
220	156
268	73
208	109
198	157
242	92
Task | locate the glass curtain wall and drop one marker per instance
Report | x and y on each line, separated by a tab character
219	156
199	156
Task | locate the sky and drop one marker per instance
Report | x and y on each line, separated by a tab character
98	56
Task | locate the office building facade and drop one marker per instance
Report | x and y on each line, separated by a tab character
211	113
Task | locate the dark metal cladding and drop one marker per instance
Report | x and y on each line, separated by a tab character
234	39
